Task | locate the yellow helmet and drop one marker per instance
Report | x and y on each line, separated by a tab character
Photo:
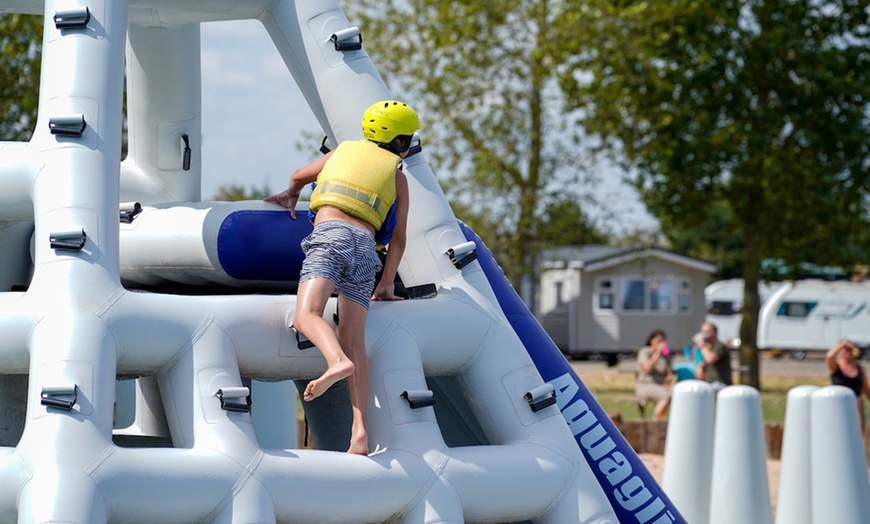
384	121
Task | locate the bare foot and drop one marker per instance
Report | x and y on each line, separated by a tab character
335	372
359	444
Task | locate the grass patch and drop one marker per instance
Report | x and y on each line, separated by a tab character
615	391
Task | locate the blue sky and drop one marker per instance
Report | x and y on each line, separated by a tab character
253	117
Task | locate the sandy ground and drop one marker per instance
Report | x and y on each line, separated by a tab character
655	464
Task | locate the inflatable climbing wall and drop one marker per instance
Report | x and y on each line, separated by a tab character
144	328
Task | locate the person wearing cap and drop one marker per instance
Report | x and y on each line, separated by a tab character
360	191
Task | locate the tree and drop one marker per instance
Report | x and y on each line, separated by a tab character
235	193
714	239
483	76
563	223
20	54
759	104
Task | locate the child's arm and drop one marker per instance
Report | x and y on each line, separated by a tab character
298	180
385	290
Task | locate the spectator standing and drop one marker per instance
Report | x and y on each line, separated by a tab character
846	371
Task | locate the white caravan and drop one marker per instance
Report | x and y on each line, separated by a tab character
724	300
812	315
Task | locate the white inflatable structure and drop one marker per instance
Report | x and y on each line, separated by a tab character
716	473
116	270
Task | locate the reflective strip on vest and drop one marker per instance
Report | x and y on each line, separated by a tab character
341	187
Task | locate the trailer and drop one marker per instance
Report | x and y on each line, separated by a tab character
812	315
724	300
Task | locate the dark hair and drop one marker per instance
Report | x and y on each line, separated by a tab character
712	326
655	333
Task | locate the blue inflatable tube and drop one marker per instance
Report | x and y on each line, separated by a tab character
262	245
632	491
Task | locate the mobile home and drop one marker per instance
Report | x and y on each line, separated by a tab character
725	304
812	315
605	300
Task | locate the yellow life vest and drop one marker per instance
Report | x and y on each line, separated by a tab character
359	179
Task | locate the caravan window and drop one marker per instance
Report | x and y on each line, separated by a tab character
795	309
723	308
656	294
685	298
604	293
661	294
633	295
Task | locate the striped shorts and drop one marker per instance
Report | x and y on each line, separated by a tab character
346	255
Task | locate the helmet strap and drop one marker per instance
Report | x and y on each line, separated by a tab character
400	144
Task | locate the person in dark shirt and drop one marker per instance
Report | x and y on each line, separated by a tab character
846	371
715	365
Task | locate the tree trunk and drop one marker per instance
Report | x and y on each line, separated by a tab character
749	370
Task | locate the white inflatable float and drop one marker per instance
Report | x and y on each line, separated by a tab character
116	270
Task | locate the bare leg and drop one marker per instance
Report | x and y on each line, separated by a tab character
311	301
662	408
351	332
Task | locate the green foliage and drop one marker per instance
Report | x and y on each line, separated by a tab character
716	238
20	53
483	76
235	193
563	223
761	103
758	105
